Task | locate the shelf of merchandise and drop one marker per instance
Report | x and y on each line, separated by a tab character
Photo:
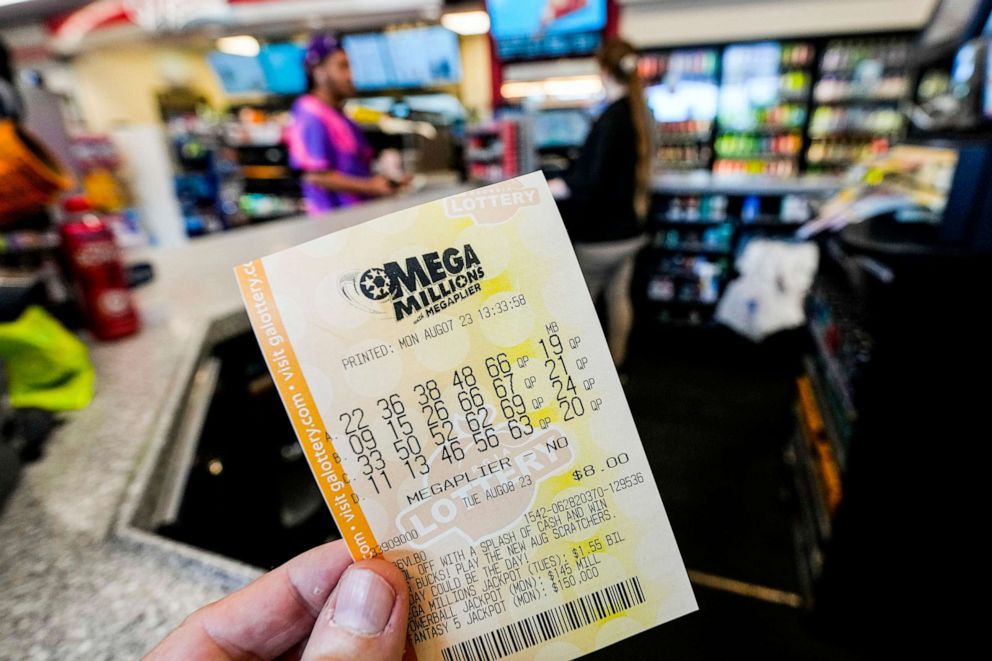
872	77
669	193
499	150
797	60
693	135
661	221
691	249
836	80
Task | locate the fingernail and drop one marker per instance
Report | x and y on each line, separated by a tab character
364	602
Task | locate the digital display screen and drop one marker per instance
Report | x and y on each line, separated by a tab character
368	57
561	127
423	56
527	18
238	74
282	65
415	57
526	29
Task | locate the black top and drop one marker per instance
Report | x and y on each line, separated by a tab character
602	180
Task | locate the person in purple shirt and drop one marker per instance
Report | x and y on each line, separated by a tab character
326	145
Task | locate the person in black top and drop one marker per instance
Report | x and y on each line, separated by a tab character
605	194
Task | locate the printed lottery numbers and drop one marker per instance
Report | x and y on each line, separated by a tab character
439	423
477	415
569	402
362	442
510	403
405	442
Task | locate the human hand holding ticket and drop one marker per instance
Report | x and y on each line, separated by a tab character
448	380
317	606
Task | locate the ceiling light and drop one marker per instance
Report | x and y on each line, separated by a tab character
4	3
466	22
241	44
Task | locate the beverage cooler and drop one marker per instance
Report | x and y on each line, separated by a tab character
682	88
857	102
777	108
764	105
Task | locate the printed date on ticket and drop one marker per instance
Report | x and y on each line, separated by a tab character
448	380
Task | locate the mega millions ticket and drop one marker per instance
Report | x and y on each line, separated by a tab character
448	379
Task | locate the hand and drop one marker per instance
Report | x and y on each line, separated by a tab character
559	189
379	186
317	606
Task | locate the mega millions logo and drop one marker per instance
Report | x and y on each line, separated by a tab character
419	286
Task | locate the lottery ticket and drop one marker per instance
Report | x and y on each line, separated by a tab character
448	379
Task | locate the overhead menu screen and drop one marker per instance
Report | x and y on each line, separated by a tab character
367	55
524	29
415	57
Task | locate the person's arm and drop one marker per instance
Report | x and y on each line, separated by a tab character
375	186
315	156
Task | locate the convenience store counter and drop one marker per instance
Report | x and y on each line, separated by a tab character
71	586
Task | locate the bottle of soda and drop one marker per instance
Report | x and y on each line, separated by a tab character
94	263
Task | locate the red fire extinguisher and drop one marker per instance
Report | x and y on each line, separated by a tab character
94	262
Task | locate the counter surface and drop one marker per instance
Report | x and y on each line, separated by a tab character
70	589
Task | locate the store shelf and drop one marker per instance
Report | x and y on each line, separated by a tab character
681	275
809	553
690	249
867	134
760	156
888	69
833	432
792	226
760	130
688	224
675	302
728	184
833	373
859	100
683	165
682	138
687	323
810	475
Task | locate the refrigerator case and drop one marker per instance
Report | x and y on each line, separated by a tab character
856	102
682	89
763	107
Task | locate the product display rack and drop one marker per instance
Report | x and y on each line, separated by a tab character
857	101
697	226
764	108
500	150
232	171
836	100
684	140
827	405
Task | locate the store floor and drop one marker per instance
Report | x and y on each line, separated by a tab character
714	412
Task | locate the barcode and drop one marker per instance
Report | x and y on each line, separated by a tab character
549	624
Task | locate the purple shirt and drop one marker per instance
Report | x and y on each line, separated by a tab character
321	139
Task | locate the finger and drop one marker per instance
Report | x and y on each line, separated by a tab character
265	618
365	618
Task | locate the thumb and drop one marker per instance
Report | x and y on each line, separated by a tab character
364	618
